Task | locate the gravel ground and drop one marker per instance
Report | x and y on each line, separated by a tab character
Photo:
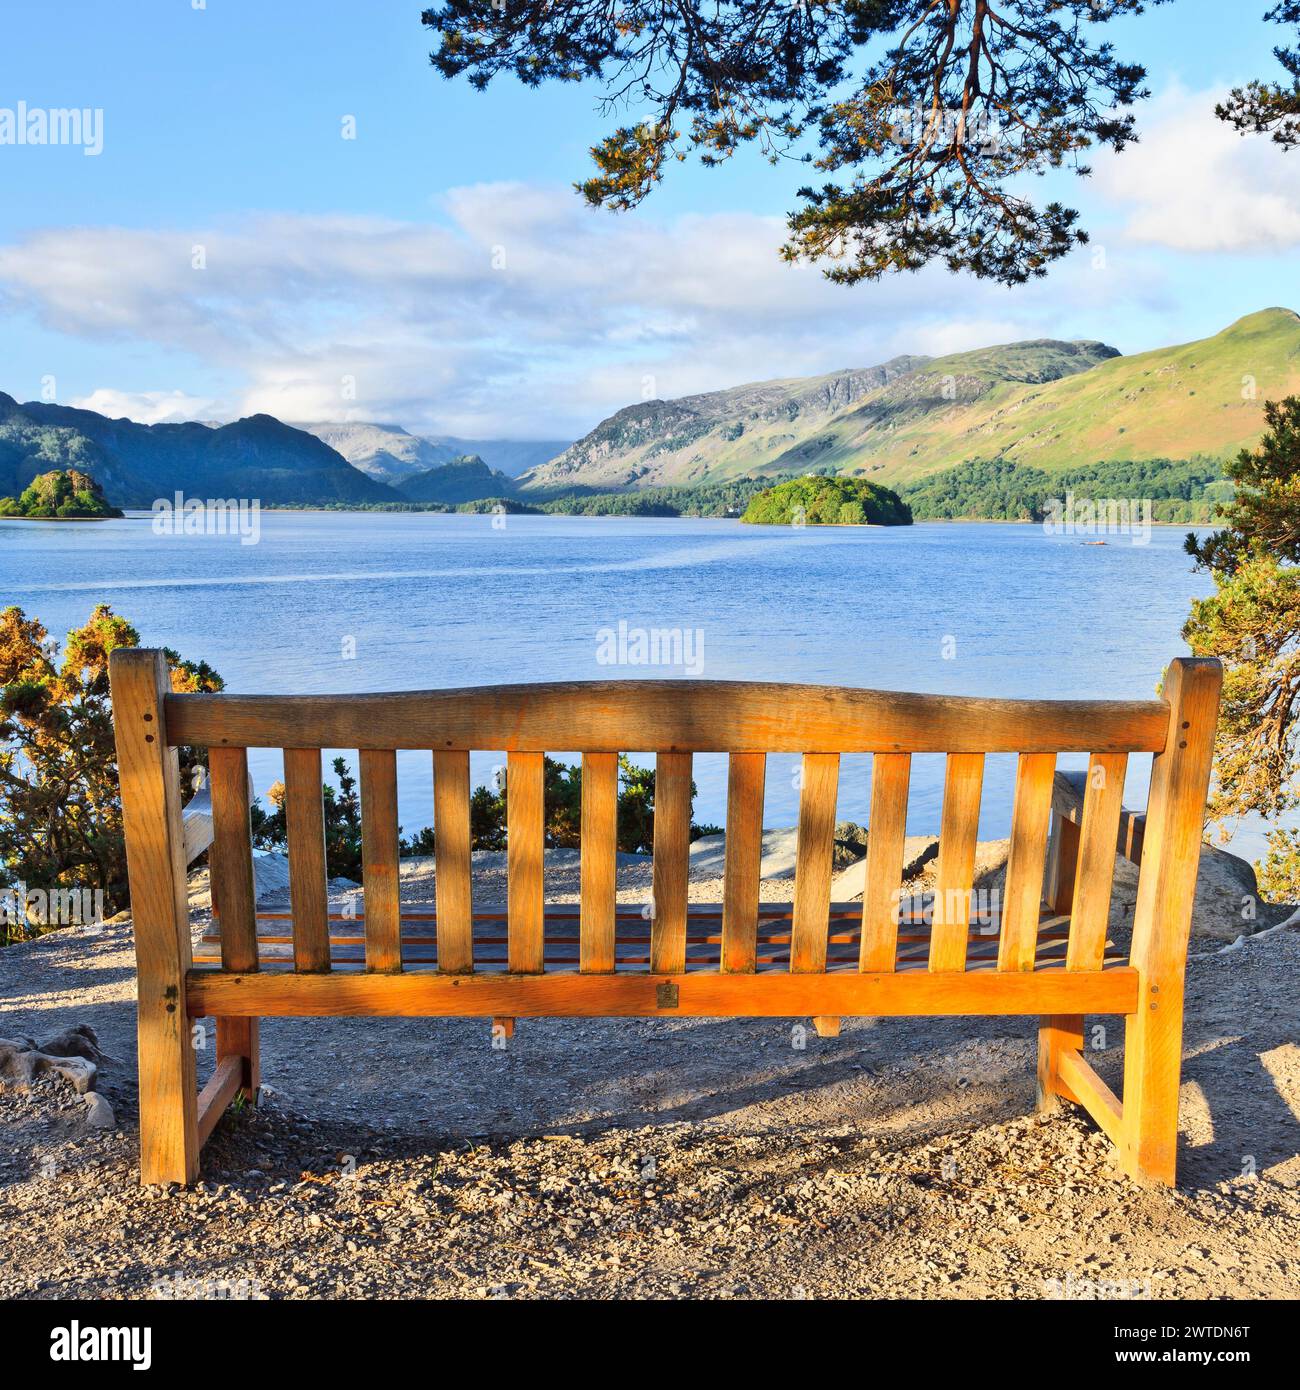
655	1158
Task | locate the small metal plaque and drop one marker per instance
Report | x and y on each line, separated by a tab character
666	996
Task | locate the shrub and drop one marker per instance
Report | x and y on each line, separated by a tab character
60	812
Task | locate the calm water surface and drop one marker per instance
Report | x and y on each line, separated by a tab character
432	601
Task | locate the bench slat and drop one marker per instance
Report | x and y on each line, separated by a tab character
1098	833
380	874
890	778
675	715
1026	861
525	846
672	848
232	858
815	850
451	842
598	865
958	830
304	817
746	774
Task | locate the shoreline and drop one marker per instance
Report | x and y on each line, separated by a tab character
65	518
142	514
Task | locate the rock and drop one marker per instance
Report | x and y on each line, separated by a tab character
850	843
78	1041
918	851
99	1113
1227	897
851	833
270	875
21	1062
270	881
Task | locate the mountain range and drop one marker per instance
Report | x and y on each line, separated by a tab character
258	456
1053	405
1043	406
388	453
255	457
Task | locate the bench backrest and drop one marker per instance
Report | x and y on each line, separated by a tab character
674	720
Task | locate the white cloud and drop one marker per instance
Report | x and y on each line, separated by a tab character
149	407
1193	184
520	312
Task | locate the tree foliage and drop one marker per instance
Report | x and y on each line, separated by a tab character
342	815
60	813
1271	108
922	114
1264	514
1252	623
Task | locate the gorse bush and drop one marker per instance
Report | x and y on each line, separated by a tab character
60	812
1278	872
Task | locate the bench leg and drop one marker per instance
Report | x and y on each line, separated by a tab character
238	1037
827	1025
1057	1033
1153	1046
169	1137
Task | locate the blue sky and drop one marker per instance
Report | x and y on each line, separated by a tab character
438	271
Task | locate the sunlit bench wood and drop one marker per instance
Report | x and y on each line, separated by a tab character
1045	952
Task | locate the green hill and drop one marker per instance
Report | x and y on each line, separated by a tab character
823	423
1203	399
1044	404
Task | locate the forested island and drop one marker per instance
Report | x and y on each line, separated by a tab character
63	495
822	501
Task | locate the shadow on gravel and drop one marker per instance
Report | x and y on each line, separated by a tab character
1254	1126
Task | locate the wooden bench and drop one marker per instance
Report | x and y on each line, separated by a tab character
1044	952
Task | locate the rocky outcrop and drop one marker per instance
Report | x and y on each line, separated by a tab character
75	1055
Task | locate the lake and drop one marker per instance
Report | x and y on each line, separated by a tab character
368	601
